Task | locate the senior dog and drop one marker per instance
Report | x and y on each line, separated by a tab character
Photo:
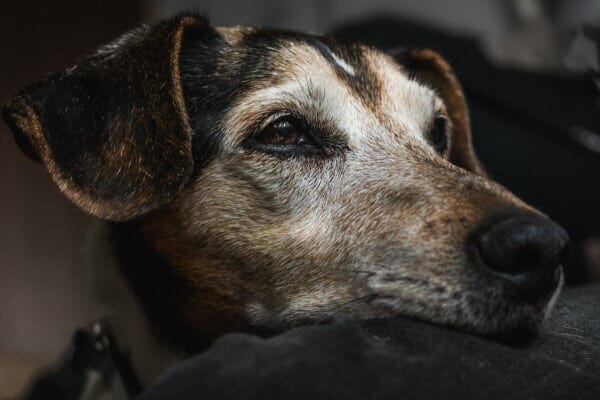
255	180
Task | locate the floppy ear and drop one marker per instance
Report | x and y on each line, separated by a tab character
113	131
434	71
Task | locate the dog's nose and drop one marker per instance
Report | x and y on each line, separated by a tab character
526	250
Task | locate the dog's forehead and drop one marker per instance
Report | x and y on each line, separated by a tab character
358	88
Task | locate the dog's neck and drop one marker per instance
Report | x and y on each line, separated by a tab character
114	301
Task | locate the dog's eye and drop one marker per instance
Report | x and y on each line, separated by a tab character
284	134
438	135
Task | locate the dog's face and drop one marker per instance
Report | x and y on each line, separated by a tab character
285	177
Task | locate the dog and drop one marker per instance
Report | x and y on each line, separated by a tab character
255	180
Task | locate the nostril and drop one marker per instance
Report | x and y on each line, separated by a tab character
522	248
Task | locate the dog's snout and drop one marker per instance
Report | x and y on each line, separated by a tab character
526	250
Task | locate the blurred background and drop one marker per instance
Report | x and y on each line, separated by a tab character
530	72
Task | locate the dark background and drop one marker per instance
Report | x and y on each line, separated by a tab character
42	298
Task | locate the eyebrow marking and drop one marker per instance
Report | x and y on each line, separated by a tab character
332	57
343	64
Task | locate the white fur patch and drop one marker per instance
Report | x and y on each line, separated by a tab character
552	302
342	63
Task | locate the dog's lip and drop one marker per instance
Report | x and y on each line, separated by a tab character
546	304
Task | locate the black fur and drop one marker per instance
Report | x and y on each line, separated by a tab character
157	285
112	130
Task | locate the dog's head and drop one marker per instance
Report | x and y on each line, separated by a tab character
282	177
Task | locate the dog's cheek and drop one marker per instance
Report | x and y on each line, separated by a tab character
259	198
255	237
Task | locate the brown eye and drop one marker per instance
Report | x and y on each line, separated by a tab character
285	136
438	136
283	132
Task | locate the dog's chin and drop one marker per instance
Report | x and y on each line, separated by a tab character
521	326
520	329
520	323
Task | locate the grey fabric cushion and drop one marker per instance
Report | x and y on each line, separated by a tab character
398	358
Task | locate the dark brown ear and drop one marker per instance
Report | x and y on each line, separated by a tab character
429	67
113	131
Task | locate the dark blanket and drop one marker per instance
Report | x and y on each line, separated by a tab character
399	358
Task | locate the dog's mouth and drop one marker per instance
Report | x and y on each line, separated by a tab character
498	309
520	301
529	312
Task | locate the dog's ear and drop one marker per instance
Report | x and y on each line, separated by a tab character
431	69
113	131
